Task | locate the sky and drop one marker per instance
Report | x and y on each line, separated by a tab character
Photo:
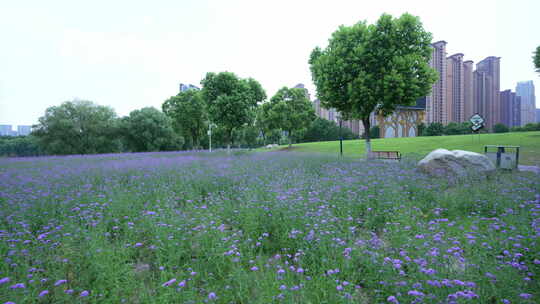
133	54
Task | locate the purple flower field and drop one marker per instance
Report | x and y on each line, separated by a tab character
262	228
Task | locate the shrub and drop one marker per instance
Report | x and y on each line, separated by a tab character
500	128
435	129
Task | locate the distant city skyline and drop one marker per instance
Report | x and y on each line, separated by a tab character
57	51
20	130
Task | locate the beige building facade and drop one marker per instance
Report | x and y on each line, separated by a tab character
468	100
455	90
488	89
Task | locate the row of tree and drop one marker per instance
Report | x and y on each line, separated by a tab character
236	105
235	110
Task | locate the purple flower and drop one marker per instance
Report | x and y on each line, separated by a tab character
68	291
43	293
4	280
415	293
392	299
168	283
18	285
282	287
60	282
182	283
339	287
84	293
212	296
254	268
525	295
138	244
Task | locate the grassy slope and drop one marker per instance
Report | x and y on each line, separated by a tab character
529	142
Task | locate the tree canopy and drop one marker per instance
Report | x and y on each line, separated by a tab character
230	100
188	115
374	68
290	110
536	59
77	127
148	129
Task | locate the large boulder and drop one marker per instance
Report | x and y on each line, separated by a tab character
442	162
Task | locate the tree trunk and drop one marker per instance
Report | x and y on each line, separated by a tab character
290	140
229	141
367	126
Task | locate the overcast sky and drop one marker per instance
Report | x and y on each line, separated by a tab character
132	54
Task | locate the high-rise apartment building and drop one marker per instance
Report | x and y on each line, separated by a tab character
455	105
492	107
436	101
481	93
517	112
24	130
525	89
510	109
6	130
468	100
185	87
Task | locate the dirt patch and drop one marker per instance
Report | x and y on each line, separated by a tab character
285	149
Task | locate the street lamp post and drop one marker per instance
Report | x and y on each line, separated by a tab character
210	125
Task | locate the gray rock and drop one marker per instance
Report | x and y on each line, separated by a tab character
456	163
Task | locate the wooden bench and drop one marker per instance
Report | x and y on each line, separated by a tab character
393	155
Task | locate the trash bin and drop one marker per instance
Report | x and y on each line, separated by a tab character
504	157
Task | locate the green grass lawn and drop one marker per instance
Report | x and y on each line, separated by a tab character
529	142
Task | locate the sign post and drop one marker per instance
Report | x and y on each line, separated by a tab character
477	123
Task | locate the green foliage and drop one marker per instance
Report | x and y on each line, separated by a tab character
536	59
188	115
421	129
324	130
78	127
374	68
263	122
527	128
374	132
435	129
454	128
516	129
148	129
230	101
247	137
500	128
531	127
289	110
19	146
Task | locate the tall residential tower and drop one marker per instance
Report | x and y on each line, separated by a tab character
487	90
436	101
525	89
455	89
468	100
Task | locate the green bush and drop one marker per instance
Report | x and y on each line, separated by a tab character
435	129
20	146
375	132
326	130
500	128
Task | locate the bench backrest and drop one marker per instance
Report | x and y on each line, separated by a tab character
386	154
